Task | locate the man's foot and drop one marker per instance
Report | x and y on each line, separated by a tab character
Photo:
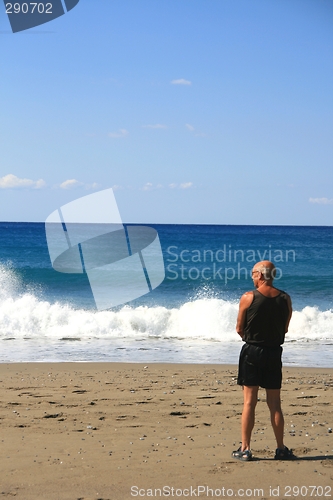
245	455
284	454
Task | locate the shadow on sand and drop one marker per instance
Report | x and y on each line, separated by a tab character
315	458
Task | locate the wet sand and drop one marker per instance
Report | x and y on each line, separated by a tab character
120	431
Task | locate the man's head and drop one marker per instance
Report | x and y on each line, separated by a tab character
263	272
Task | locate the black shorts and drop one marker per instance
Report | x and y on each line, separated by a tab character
260	366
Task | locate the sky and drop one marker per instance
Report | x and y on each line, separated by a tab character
193	111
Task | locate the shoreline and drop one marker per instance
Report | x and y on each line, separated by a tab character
164	352
123	364
88	430
214	365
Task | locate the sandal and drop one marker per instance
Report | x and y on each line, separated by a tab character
284	454
245	455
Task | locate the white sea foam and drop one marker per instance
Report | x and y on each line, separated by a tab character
311	324
204	319
10	284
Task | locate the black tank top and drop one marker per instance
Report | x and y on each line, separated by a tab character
266	320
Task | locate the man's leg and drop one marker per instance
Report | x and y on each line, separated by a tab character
274	404
250	394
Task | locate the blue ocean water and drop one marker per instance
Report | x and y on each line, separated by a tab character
50	316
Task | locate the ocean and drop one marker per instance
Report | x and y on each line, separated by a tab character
190	317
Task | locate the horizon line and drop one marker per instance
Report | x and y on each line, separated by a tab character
181	224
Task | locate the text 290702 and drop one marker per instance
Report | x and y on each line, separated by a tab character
29	8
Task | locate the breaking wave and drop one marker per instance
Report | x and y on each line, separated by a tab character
25	315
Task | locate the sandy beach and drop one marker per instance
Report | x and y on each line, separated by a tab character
120	431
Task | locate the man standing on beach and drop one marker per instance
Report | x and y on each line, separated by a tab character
263	320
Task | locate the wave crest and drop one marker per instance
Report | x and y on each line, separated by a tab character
206	319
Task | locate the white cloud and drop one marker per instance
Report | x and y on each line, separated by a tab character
149	186
121	133
70	183
321	201
158	125
186	185
11	181
39	184
181	81
189	127
92	186
192	129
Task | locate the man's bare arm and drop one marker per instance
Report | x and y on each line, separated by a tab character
290	312
244	304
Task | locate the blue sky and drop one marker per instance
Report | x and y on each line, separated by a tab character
215	111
